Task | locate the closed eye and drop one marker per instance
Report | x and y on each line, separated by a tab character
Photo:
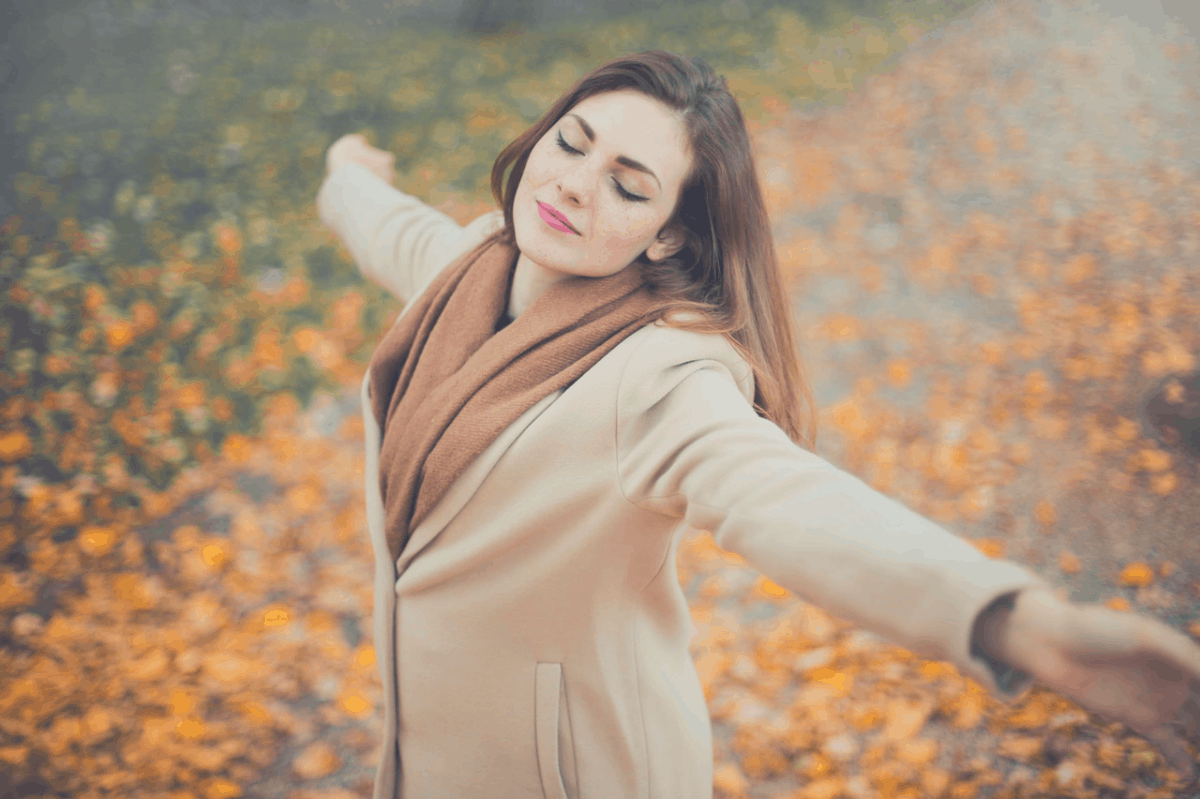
562	143
627	195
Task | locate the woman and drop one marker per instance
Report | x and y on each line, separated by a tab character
576	380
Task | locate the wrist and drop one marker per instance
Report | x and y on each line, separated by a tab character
1006	631
989	636
334	164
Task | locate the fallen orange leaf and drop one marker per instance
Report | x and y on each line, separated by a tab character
14	446
905	719
191	728
1137	574
992	547
1069	562
354	703
1045	513
770	589
917	752
221	789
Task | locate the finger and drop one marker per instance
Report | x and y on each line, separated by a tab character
1174	751
1173	644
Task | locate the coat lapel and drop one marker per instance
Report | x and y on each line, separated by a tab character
460	491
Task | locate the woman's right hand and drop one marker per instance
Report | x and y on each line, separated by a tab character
353	148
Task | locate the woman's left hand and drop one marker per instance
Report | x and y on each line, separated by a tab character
1121	666
354	148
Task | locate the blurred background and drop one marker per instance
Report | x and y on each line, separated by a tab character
987	214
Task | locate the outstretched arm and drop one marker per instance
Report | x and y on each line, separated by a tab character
1123	666
690	445
397	241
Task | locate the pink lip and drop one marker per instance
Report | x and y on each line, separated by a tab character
554	219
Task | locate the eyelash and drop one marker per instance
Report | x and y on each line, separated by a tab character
562	143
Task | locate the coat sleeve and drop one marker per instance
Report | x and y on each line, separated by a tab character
690	446
398	242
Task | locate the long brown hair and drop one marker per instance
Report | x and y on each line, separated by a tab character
727	270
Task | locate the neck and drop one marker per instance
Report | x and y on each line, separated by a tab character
529	281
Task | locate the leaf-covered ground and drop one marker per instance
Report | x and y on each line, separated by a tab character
993	248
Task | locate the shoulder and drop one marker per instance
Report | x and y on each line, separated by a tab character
483	225
466	238
469	236
664	355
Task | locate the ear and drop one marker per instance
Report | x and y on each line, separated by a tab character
670	241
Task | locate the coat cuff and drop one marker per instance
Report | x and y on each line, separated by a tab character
997	581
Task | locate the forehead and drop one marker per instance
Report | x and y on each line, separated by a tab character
638	126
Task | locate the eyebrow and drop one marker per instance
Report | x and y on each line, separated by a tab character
623	160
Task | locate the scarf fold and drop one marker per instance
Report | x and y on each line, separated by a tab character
444	383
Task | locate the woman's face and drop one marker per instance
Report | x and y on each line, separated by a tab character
613	167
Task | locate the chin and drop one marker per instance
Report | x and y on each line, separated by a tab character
533	240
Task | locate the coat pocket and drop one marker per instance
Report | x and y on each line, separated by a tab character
555	746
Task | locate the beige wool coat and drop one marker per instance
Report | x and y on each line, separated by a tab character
532	638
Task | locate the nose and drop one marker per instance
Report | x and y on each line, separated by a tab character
575	184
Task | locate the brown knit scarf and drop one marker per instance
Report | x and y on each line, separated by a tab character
445	383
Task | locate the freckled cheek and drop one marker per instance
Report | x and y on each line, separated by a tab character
531	179
626	240
542	172
621	226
